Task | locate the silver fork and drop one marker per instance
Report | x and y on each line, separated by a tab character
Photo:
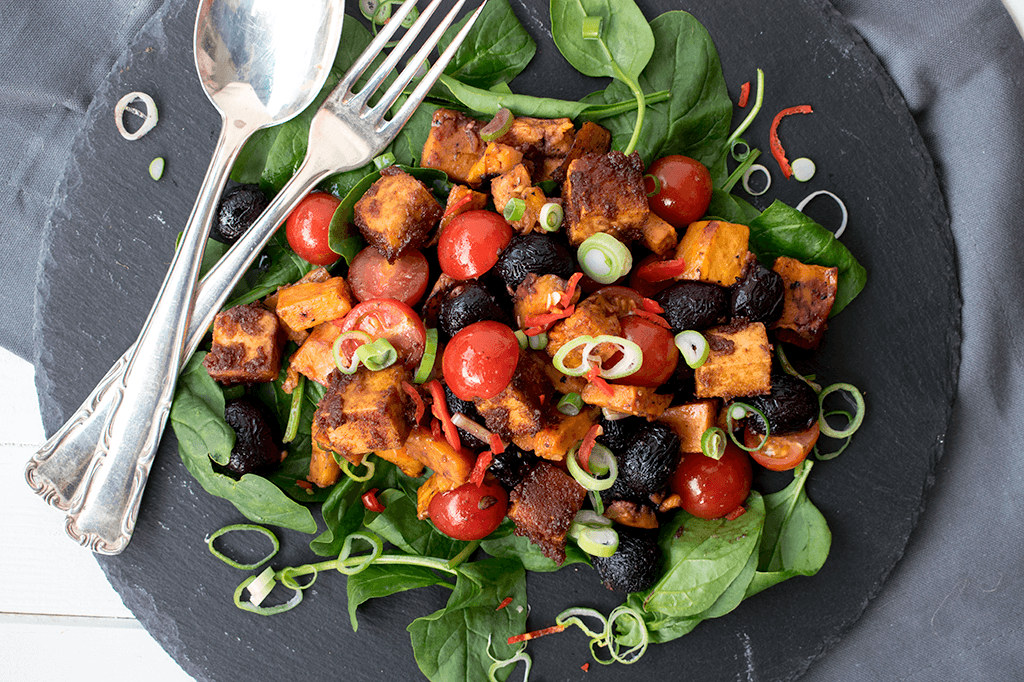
346	133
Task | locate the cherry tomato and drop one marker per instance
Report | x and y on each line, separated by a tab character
712	488
470	512
660	353
371	276
308	228
392	320
469	245
480	360
784	452
642	286
685	191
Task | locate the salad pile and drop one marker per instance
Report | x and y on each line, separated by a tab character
534	333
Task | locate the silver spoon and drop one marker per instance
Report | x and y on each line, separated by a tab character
261	62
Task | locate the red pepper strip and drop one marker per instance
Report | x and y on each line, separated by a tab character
587	446
497	447
661	270
527	636
435	429
585	667
570	289
504	602
305	485
736	513
744	95
773	137
440	410
653	317
594	377
544	321
417	400
483	461
371	502
457	205
652	306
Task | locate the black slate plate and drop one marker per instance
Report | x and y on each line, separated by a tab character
109	243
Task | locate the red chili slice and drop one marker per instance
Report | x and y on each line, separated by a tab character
527	636
417	400
440	410
457	205
371	502
773	137
504	602
653	317
570	289
736	513
594	377
661	270
541	323
744	95
587	446
483	461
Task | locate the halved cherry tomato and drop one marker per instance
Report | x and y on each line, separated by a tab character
308	226
712	488
470	512
480	360
644	287
371	276
469	245
782	452
392	320
658	345
685	189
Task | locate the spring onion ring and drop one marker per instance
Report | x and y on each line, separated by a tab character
601	542
591	28
551	216
150	116
377	548
262	586
738	411
497	126
538	341
601	461
471	427
803	169
426	365
632	356
264	610
759	168
377	355
693	347
712	442
346	468
156	168
842	207
854	422
604	258
515	209
242	527
339	360
570	404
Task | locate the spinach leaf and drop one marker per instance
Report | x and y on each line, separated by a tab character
783	231
452	643
731	208
284	268
504	544
197	417
399	525
408	144
796	537
381	581
496	50
702	558
621	50
343	511
695	121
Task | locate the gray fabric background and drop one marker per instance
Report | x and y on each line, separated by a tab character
954	607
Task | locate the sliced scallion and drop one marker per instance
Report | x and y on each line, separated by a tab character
291	430
156	168
377	355
601	461
264	610
600	542
384	160
339	360
591	28
739	411
854	422
523	339
655	184
551	216
149	117
712	442
842	207
538	341
242	527
757	168
570	404
426	365
515	209
497	126
471	427
693	347
604	258
262	586
346	468
803	169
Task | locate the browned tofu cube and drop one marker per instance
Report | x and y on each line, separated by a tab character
592	317
739	362
247	344
810	291
314	359
518	410
714	251
497	159
690	420
460	200
516	184
561	433
544	143
363	412
397	214
658	235
631	514
323	469
605	193
639	401
538	294
302	306
590	139
543	506
453	144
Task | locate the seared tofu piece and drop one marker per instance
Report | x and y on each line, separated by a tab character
593	316
739	362
690	420
397	214
631	514
518	410
247	341
302	306
459	203
314	358
425	493
538	294
543	506
658	235
563	383
544	143
440	456
562	432
363	412
639	401
516	184
810	292
590	139
497	159
605	193
323	469
714	251
453	144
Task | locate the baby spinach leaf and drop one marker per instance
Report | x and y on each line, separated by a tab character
496	50
796	536
201	413
399	525
702	558
283	267
784	231
509	546
452	643
731	208
374	582
342	514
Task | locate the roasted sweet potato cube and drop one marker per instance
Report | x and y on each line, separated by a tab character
592	317
561	433
497	159
323	469
247	341
810	292
658	235
605	193
518	409
405	462
690	420
538	295
363	412
516	184
306	305
639	401
459	203
439	456
426	492
714	251
590	139
453	144
543	506
739	362
397	214
314	358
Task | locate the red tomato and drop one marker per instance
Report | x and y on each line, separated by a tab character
480	360
308	228
642	286
390	319
470	512
782	453
712	488
685	191
660	353
469	245
371	276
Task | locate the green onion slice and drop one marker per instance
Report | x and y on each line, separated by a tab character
604	258
520	655
295	411
289	575
738	411
655	181
551	216
538	341
523	339
375	11
600	542
803	169
591	28
346	467
384	160
242	527
854	422
602	461
757	168
788	368
570	404
149	117
471	427
842	207
361	563
633	654
693	347
515	209
426	365
497	126
573	616
264	610
739	150
632	356
377	355
156	168
712	442
339	360
825	456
